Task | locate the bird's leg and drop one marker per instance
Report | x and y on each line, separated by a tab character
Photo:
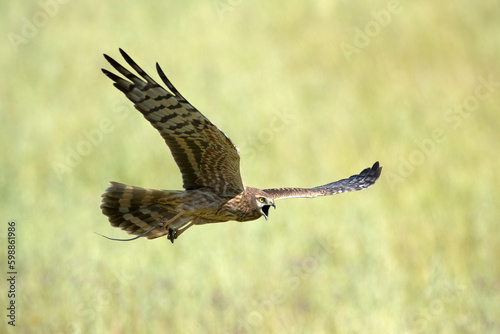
174	233
171	234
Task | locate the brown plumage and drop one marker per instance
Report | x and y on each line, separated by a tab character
209	163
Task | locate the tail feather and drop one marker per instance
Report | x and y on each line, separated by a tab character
136	210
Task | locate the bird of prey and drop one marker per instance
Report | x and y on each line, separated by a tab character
208	161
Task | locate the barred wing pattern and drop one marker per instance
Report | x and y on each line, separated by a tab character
364	180
205	156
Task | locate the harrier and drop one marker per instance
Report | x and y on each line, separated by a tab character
208	161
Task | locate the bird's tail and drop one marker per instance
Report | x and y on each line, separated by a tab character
136	210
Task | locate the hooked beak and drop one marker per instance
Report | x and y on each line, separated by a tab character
265	210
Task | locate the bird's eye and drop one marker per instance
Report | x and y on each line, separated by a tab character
262	199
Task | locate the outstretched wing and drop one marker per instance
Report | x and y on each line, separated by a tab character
362	181
205	155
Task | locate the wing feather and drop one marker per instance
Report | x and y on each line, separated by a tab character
205	156
361	181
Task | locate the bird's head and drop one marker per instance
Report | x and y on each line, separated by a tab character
259	201
264	203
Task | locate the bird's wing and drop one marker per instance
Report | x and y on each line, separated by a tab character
362	181
205	155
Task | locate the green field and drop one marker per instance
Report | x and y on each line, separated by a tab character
310	92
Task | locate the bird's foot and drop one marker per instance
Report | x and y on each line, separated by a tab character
171	234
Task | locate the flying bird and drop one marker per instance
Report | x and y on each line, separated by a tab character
208	161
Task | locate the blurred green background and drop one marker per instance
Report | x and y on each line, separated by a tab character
311	92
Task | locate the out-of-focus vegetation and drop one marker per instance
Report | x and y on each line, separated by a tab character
311	92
